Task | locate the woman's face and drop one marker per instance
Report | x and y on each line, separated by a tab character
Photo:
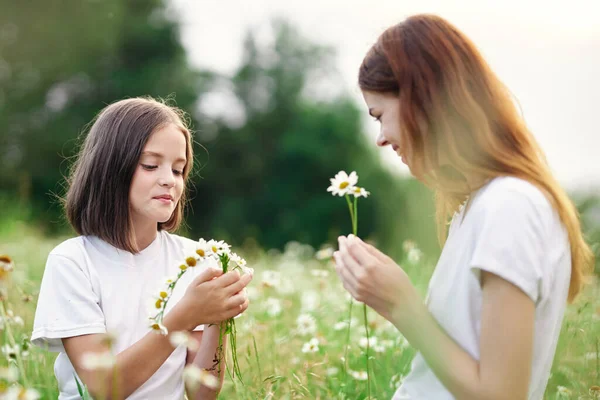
385	108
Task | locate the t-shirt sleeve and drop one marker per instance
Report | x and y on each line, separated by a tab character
67	305
510	242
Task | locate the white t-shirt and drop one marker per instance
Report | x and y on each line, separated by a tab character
512	231
89	286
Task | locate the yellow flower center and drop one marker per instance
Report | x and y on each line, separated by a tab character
158	305
215	249
163	294
155	327
183	267
344	185
191	261
200	252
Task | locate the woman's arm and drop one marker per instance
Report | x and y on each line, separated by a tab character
504	368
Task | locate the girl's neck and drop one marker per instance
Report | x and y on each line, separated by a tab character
144	236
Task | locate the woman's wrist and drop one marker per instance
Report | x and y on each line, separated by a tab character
176	320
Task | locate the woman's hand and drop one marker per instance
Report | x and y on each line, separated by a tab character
375	279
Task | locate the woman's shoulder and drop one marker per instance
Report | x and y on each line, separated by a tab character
69	248
509	191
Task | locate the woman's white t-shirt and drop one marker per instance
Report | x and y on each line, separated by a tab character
512	231
89	287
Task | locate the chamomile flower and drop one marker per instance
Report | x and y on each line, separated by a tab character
359	192
218	248
20	393
342	183
359	375
183	338
194	377
158	327
306	324
311	346
202	248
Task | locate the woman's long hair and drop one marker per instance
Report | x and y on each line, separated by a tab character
452	105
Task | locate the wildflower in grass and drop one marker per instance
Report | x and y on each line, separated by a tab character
312	346
364	342
10	352
414	255
272	306
325	253
9	374
98	361
359	375
342	183
306	325
332	371
193	376
396	381
6	266
345	185
19	393
563	393
271	278
183	338
319	273
309	301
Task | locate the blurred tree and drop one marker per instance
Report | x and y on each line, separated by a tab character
63	61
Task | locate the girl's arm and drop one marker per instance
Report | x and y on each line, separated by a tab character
205	300
504	368
206	358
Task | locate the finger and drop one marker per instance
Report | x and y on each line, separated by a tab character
236	301
359	251
348	280
348	260
206	275
236	287
374	251
228	279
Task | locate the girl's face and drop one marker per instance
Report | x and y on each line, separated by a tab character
385	108
157	183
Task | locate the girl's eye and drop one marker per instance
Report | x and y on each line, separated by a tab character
149	167
177	172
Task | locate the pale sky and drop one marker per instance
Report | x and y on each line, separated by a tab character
547	53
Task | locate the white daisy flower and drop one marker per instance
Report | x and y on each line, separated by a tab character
95	361
183	338
359	192
306	324
158	327
372	341
20	393
218	248
271	278
10	351
10	373
202	249
273	306
332	371
325	253
311	346
342	183
563	392
319	273
194	376
340	325
414	255
359	375
309	301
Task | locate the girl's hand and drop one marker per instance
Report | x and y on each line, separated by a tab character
213	297
373	278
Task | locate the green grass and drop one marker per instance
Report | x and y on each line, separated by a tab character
270	347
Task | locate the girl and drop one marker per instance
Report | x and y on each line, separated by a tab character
514	253
126	193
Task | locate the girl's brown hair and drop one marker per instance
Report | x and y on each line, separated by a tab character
97	200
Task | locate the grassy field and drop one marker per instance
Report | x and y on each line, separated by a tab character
296	298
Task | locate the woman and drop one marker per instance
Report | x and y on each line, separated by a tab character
513	254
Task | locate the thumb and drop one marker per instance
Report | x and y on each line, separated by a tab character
207	275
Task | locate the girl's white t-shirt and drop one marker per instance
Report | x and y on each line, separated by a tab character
512	231
89	287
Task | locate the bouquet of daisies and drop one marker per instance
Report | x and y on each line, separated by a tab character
228	261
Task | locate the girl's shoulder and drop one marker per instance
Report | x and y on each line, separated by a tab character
181	243
509	193
72	248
